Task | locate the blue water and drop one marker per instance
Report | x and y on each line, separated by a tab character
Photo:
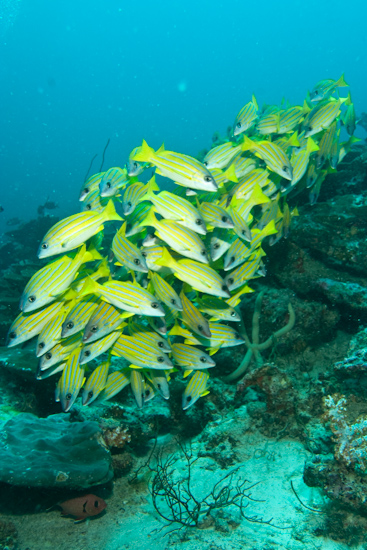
75	73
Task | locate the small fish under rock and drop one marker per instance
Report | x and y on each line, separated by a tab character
83	507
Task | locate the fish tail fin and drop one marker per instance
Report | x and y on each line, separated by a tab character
161	149
166	259
89	287
255	102
149	189
349	99
150	219
311	146
341	82
122	230
109	213
230	174
258	196
144	154
269	229
247	144
293	140
103	270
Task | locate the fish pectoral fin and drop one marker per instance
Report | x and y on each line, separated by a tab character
212	351
204	393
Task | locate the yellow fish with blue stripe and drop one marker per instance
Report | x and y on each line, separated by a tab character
246	117
273	156
192	358
70	382
164	292
73	231
95	383
196	388
112	181
91	350
222	155
140	353
116	382
182	169
28	325
127	253
92	184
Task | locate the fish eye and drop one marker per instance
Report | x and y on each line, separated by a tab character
44	246
90	394
41	345
285	168
224	287
70	325
12	335
309	129
160	359
96	503
173	301
199	221
48	356
208	178
238	125
88	207
68	396
203	252
231	280
160	344
159	386
137	261
224	219
144	254
243	232
203	359
232	259
154	305
129	204
205	163
216	246
86	190
31	299
147	393
233	314
87	353
108	185
188	398
135	164
200	327
94	328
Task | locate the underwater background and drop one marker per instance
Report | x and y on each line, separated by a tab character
270	450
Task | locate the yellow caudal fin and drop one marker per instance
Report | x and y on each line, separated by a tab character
255	102
103	270
230	174
349	99
150	219
93	252
311	146
247	144
122	230
293	140
234	300
269	229
161	149
166	259
149	189
109	213
144	154
341	82
258	196
89	287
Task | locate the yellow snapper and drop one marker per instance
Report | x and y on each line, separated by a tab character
140	353
91	350
160	379
196	388
51	332
116	381
239	167
222	336
221	156
125	295
182	169
164	292
112	181
137	387
79	315
52	280
193	318
219	310
324	88
149	336
215	215
322	117
244	272
246	117
28	325
349	117
70	382
189	357
73	231
90	185
133	167
105	318
60	352
201	277
182	239
175	208
95	383
273	156
127	253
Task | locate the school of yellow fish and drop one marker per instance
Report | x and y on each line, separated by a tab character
133	305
